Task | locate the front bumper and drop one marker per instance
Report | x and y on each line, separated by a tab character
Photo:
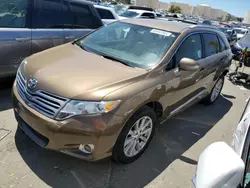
66	136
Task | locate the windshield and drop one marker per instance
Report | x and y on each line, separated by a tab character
129	14
136	45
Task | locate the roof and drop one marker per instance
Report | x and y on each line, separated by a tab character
159	24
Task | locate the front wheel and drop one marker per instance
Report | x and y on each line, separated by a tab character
213	96
135	136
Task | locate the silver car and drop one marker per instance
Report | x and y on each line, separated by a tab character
28	27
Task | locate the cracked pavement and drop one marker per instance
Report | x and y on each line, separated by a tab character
169	161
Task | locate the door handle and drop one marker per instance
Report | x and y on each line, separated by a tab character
22	39
69	37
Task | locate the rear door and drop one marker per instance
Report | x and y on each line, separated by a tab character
84	17
213	56
15	34
46	24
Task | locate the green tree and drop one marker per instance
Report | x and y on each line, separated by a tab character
228	17
174	9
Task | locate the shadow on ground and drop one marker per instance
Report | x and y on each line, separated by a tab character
172	139
5	94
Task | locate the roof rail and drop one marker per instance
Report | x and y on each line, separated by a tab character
203	26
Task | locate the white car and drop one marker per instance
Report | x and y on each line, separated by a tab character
222	166
241	32
107	14
134	13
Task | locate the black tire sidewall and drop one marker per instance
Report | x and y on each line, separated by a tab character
118	151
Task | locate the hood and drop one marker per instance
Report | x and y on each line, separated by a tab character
74	73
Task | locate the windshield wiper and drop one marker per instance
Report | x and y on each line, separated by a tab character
118	60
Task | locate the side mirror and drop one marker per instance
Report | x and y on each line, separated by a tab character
219	166
188	64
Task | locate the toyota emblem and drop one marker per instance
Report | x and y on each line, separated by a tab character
32	83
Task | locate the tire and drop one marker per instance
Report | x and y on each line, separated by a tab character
120	155
210	99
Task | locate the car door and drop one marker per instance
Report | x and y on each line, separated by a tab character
46	25
84	17
186	86
213	57
106	15
15	34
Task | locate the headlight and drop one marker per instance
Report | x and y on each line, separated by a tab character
74	107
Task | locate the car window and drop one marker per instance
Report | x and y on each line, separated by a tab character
223	46
47	14
190	48
13	13
105	14
83	16
211	44
146	14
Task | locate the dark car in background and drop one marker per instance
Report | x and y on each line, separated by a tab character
241	44
28	27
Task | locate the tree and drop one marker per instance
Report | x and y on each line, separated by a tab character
174	9
228	17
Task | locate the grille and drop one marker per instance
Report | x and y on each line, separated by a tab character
46	103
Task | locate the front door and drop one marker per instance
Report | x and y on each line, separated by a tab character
15	35
185	84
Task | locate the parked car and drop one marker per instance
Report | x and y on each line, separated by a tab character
223	166
107	14
52	24
133	13
241	44
104	94
231	34
241	32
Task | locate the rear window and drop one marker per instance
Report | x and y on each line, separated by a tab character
84	16
47	14
223	45
105	14
211	43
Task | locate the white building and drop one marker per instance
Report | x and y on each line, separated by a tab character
247	18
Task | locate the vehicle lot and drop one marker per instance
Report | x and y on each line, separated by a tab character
169	161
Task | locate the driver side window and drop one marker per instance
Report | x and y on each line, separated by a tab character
190	48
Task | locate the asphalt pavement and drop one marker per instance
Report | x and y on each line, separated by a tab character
169	161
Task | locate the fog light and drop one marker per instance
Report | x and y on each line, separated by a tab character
86	148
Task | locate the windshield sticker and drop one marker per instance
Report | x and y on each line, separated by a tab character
160	32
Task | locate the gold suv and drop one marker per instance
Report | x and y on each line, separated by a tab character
105	93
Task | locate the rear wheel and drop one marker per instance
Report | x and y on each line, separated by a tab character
135	136
215	93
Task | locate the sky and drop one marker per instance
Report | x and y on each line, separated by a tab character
234	7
